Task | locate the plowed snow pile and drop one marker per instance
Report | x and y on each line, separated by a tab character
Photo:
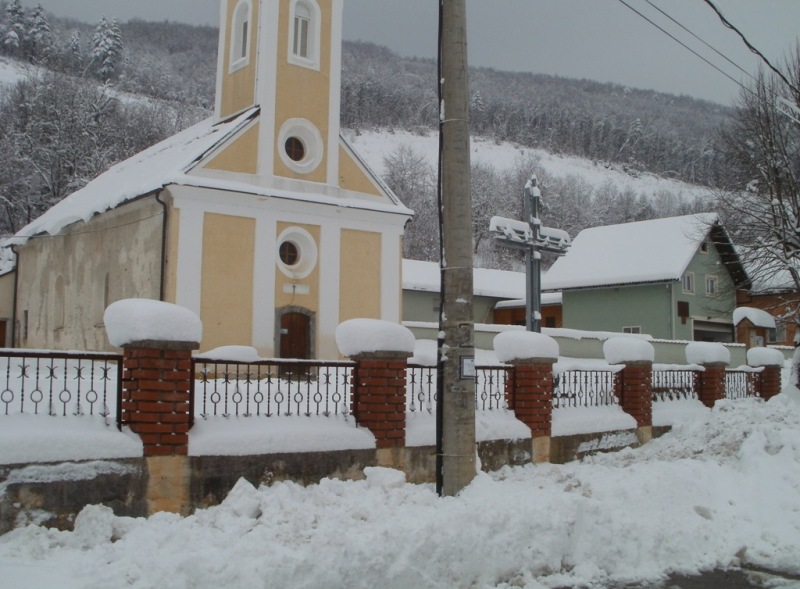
713	493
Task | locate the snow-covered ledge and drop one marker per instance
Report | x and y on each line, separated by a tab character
144	323
707	354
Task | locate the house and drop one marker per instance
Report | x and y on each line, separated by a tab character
675	278
421	296
262	219
775	293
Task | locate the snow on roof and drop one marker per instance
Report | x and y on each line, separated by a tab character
145	172
757	317
630	253
501	284
548	298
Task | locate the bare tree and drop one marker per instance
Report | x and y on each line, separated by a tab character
761	203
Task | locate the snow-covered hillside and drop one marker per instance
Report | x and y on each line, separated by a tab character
374	146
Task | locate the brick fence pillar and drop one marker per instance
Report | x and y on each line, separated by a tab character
379	396
635	381
635	392
714	358
771	361
530	392
531	399
156	395
711	383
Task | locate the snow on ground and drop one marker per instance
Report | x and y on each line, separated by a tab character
717	491
374	146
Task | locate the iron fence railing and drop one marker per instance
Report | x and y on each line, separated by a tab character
584	388
271	387
60	383
490	388
674	385
740	384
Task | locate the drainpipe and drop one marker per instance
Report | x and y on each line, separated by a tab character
14	309
162	285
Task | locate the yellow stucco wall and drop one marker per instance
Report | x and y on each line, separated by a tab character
239	87
304	92
114	256
360	280
226	302
283	283
352	177
241	155
171	262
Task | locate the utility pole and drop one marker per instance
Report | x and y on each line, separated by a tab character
455	426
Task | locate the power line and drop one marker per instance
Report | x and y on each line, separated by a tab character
714	49
685	46
750	46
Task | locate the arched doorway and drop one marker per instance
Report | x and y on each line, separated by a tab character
295	335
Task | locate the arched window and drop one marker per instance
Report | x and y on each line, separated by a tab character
240	36
304	34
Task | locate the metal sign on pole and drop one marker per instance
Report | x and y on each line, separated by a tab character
530	236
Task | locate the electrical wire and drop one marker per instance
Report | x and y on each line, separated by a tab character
750	46
703	41
674	38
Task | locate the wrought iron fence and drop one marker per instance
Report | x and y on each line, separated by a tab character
740	384
60	384
490	388
584	388
674	385
271	387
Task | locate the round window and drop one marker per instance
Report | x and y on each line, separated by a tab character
300	146
295	149
289	253
296	252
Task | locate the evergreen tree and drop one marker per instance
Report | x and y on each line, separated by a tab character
15	36
107	49
41	38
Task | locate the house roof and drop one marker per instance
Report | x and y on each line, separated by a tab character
500	284
644	252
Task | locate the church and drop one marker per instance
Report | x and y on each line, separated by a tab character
262	219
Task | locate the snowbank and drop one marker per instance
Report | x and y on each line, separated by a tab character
717	492
568	421
360	336
137	320
231	354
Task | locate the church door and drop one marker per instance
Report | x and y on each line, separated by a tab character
295	336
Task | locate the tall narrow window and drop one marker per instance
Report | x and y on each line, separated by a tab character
240	36
304	34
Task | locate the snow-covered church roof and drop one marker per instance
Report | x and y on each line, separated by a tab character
146	172
632	253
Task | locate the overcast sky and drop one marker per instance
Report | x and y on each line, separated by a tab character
595	39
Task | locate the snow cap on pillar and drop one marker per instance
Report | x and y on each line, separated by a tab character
707	353
138	322
618	350
524	345
369	336
764	357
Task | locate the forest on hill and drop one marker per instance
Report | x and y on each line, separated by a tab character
151	79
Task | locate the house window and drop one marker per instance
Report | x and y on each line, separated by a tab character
712	285
295	149
297	252
632	329
240	36
777	335
688	283
704	247
304	34
300	146
289	253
